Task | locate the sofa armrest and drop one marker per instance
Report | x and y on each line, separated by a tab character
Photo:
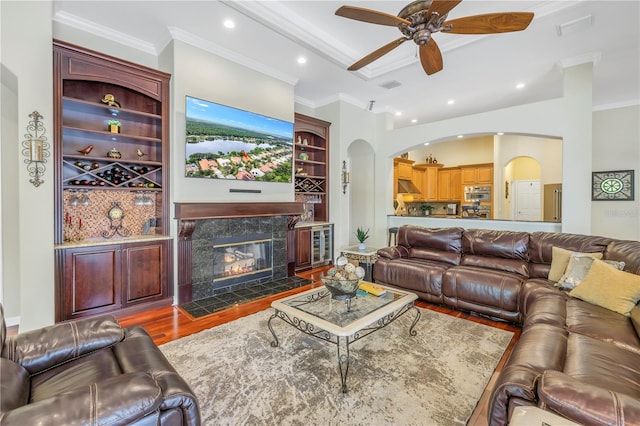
396	252
119	400
41	349
584	403
137	353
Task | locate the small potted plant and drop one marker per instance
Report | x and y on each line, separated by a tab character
426	209
114	126
362	236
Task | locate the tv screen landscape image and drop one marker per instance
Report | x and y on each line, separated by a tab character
223	142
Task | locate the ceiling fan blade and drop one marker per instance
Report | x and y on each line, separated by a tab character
442	7
430	57
489	23
371	16
377	54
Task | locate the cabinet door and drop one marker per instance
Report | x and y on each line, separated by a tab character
431	193
405	171
419	180
469	175
92	281
455	193
444	185
485	174
303	247
145	271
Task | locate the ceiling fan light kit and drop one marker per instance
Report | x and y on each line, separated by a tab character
419	20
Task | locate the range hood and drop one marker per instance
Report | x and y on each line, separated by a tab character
407	187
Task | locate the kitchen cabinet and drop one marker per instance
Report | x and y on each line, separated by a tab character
314	245
476	174
449	184
99	165
405	168
106	278
419	179
431	185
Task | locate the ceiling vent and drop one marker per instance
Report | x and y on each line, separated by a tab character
574	26
390	84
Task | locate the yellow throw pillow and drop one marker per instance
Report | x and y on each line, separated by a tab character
560	259
610	288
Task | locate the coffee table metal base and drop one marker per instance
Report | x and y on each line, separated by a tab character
342	342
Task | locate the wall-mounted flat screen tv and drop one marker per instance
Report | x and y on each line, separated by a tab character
228	143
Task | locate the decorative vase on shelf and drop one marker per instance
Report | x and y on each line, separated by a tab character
114	129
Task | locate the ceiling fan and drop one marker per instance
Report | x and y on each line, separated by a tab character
418	20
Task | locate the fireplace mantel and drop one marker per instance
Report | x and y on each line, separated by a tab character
196	211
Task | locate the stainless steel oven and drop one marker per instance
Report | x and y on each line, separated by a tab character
477	193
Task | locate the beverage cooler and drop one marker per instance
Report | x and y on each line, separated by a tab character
321	245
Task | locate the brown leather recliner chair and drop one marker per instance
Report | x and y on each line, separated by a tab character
90	371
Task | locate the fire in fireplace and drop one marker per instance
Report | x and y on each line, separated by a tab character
242	258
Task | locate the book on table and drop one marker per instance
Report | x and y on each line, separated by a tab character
372	289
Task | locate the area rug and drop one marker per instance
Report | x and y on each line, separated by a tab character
433	378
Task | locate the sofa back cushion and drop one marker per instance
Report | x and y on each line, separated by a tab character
627	252
437	244
502	250
14	386
541	245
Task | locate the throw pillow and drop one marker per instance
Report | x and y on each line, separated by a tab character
610	288
560	259
578	267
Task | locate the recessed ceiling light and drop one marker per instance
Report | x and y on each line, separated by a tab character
460	136
302	60
398	113
520	86
500	133
426	144
228	23
451	102
414	121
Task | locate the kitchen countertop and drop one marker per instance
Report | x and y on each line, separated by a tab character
309	224
435	221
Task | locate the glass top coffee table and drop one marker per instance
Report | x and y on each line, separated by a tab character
315	313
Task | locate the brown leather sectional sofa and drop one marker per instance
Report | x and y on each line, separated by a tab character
90	372
574	358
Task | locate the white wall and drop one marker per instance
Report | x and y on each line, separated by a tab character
616	135
27	54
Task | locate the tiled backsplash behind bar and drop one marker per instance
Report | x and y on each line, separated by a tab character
94	217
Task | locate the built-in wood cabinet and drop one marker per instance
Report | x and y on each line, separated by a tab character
431	185
311	165
420	181
303	247
111	147
107	278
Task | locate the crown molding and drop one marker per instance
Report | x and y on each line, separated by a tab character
193	40
102	31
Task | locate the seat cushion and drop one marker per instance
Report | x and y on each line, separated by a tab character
83	371
412	274
602	364
601	324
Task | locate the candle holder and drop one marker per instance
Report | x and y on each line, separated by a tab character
35	148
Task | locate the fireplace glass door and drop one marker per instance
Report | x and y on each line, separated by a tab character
241	259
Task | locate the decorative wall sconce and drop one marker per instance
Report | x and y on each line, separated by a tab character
35	148
345	177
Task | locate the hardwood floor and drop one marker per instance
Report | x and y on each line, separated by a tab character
167	324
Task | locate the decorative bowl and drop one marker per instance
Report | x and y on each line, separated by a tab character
341	288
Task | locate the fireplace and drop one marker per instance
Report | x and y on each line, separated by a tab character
242	258
255	238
